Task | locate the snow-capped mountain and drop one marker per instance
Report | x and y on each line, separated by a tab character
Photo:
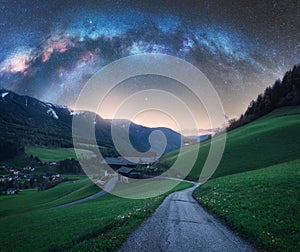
43	123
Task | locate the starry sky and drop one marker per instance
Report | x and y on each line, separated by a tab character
49	49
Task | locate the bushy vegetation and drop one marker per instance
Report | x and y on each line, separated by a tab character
261	205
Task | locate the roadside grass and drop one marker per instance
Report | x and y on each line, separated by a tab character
56	154
32	199
270	140
101	224
263	206
124	224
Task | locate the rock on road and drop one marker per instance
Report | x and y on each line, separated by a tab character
181	224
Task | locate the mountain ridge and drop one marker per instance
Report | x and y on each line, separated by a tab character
29	121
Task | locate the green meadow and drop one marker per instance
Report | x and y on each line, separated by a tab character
32	199
272	139
263	206
255	189
32	224
56	154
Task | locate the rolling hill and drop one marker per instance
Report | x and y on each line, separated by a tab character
255	189
270	140
266	134
102	224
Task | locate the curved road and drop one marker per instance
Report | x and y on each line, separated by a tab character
181	224
107	188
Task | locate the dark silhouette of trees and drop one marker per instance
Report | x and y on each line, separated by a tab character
10	148
282	93
70	166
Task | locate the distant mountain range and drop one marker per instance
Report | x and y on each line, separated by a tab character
30	121
188	140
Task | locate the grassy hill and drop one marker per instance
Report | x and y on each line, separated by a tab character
56	154
32	199
261	205
30	223
255	189
270	140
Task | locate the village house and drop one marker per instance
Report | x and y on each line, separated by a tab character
108	174
11	191
127	167
125	173
4	178
116	163
28	169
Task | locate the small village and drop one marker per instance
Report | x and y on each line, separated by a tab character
13	179
129	168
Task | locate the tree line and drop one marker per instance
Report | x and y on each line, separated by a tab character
282	93
9	148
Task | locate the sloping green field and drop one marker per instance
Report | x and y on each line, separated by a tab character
58	154
30	223
32	199
263	205
255	189
270	140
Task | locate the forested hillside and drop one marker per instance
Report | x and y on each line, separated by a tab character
282	93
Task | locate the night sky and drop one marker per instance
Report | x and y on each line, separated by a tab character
49	49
